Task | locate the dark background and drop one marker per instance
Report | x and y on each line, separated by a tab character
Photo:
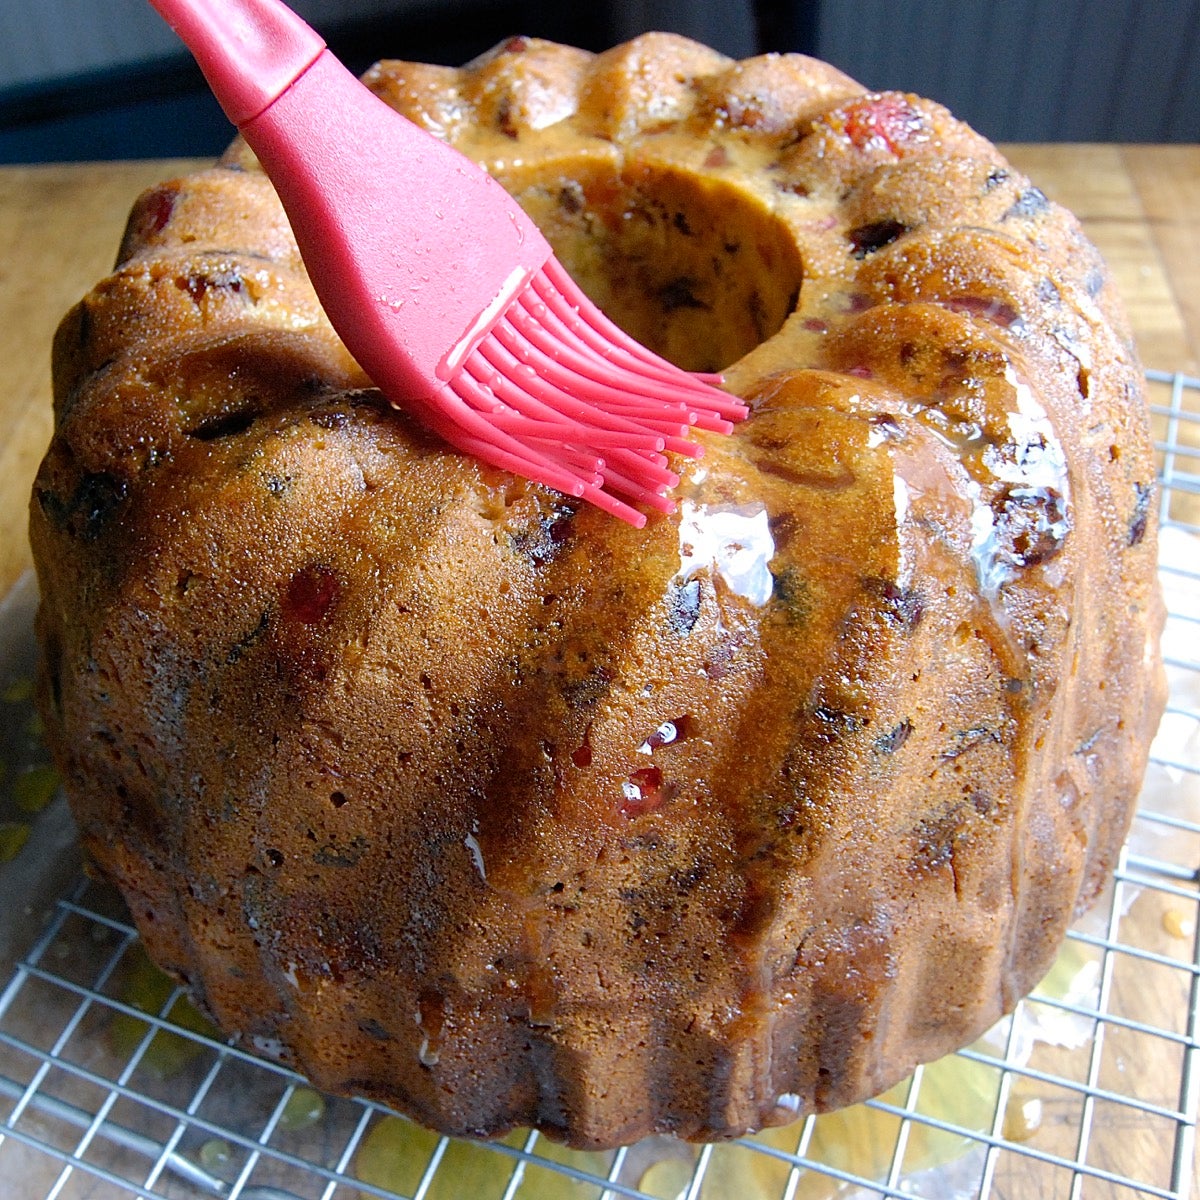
1017	70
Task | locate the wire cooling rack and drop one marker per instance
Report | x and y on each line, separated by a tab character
112	1086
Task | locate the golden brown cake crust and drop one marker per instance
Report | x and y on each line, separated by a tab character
460	796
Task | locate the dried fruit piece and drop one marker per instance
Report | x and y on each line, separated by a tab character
886	121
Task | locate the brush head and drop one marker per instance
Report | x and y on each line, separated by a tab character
572	401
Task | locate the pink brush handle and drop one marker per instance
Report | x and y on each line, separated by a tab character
250	51
414	251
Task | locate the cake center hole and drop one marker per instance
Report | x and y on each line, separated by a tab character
692	267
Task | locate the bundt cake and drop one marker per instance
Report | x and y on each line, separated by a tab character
457	794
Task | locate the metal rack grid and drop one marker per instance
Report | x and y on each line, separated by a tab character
1091	1088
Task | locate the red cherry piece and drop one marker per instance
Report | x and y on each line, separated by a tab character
887	121
310	594
162	206
643	792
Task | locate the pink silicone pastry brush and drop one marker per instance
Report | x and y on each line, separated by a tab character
443	289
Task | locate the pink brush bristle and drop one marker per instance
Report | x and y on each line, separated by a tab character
440	286
577	404
569	303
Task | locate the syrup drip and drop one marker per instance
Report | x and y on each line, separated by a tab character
162	206
471	841
581	756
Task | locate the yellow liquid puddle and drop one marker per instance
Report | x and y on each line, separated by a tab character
33	789
148	989
395	1155
303	1108
13	836
860	1140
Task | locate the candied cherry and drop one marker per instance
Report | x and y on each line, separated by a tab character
162	206
310	594
886	120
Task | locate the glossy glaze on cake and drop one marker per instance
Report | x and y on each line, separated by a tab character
455	794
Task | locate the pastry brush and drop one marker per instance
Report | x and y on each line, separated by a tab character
441	287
